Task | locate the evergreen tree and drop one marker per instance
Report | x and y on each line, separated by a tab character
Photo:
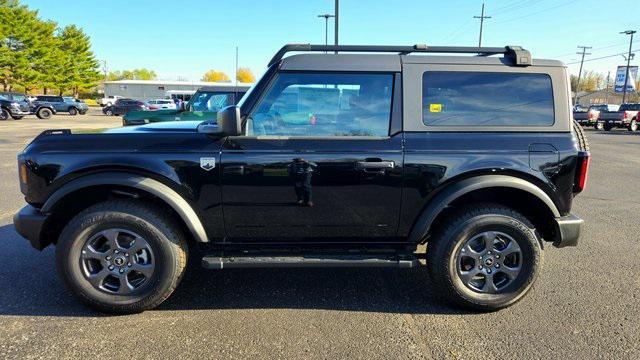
79	67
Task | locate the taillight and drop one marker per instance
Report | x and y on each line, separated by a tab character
625	115
582	171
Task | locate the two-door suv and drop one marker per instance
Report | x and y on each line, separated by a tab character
375	156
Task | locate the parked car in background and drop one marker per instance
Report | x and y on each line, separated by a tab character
108	100
123	106
625	117
64	104
161	104
13	105
589	117
203	105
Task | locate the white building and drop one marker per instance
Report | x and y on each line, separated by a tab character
156	89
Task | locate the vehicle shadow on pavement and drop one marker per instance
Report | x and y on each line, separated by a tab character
29	286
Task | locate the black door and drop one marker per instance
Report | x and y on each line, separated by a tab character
317	161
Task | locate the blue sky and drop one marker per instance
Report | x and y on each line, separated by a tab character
186	38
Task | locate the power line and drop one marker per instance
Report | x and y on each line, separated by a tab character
602	57
536	13
594	49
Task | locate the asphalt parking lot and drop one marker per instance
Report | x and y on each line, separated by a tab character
586	304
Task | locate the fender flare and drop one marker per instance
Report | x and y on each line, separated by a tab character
452	192
158	189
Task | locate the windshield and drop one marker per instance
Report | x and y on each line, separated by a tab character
209	101
19	98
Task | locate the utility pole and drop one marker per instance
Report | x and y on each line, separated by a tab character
606	87
326	27
583	53
104	68
626	76
336	13
481	17
235	93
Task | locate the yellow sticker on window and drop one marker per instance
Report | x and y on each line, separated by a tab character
435	108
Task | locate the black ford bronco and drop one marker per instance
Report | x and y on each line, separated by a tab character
375	156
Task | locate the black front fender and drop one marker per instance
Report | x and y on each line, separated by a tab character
154	187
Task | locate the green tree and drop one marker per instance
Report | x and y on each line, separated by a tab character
21	33
135	74
215	76
79	67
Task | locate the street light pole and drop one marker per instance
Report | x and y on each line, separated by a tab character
626	76
326	27
336	12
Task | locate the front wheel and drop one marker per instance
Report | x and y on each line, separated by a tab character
122	256
44	113
73	111
108	112
486	258
633	125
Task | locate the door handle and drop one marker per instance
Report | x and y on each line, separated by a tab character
375	165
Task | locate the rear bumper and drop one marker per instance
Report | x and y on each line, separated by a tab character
568	230
29	222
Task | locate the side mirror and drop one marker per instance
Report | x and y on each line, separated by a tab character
228	123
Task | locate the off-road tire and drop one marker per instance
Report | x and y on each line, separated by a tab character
44	113
161	232
633	125
461	226
583	143
73	111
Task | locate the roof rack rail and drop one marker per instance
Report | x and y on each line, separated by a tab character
520	56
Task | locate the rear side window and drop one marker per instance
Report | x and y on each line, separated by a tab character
486	99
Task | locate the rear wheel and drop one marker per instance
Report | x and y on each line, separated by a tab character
44	113
4	114
633	125
122	256
599	126
486	258
73	111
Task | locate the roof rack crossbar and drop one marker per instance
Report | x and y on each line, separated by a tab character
519	55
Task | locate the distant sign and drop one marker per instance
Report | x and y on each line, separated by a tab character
620	76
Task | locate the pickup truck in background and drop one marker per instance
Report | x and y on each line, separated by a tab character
625	117
108	100
590	116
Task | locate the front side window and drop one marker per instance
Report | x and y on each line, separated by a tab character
486	99
324	104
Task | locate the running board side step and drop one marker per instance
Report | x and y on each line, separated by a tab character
307	261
